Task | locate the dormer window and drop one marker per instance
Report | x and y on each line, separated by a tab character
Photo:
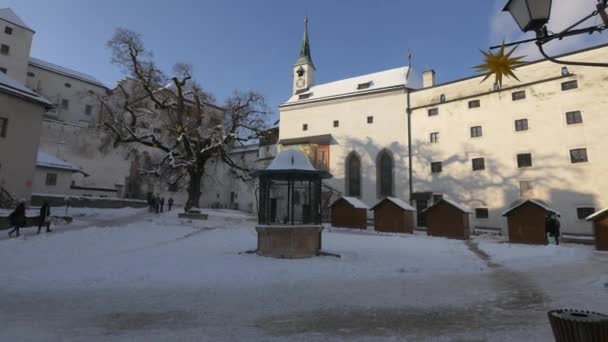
364	85
304	96
442	98
300	72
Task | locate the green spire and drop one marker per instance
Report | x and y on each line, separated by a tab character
305	57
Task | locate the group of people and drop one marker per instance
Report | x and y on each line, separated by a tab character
156	204
17	218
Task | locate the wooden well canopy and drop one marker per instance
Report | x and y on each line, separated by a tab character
526	221
349	212
393	215
290	190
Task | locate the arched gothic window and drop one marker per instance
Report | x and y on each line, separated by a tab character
384	176
353	175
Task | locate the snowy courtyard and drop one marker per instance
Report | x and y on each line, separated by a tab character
127	275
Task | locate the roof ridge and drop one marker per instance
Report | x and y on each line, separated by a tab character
65	70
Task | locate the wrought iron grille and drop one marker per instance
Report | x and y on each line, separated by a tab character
290	200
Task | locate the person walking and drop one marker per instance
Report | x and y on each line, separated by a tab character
170	203
552	226
162	204
555	225
45	217
157	204
17	218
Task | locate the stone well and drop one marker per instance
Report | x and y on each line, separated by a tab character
289	216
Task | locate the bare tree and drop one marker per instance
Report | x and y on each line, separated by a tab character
174	119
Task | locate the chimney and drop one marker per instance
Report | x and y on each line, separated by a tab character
428	78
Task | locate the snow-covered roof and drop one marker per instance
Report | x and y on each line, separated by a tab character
369	83
452	203
50	161
9	15
398	202
291	159
355	202
11	86
596	214
65	71
520	202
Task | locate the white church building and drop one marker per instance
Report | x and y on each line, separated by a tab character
394	133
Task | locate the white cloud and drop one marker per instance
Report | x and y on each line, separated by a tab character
563	14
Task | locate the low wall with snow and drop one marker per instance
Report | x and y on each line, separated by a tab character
87	202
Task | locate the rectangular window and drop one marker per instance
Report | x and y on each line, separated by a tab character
65	104
364	85
569	85
370	119
3	70
525	188
573	118
521	125
304	96
434	137
433	111
481	213
305	127
8	30
474	104
4	49
336	123
524	160
583	213
436	167
51	179
157	130
578	155
3	127
88	109
478	164
476	132
518	95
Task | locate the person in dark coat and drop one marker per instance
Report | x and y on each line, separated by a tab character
45	217
162	204
170	203
552	226
157	204
17	218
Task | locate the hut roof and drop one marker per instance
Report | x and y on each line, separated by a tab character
537	202
355	202
597	214
452	203
396	201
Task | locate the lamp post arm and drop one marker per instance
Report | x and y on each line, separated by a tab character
542	52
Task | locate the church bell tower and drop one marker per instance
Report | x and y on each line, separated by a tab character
304	68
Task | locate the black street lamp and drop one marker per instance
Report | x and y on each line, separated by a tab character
533	15
530	15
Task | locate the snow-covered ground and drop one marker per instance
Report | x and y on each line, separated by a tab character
128	275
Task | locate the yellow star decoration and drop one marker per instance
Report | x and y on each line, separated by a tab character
500	64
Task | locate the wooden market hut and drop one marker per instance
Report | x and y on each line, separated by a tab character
446	218
600	229
349	212
526	221
393	215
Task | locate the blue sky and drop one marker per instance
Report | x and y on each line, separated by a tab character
244	44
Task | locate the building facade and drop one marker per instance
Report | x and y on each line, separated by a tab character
472	142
